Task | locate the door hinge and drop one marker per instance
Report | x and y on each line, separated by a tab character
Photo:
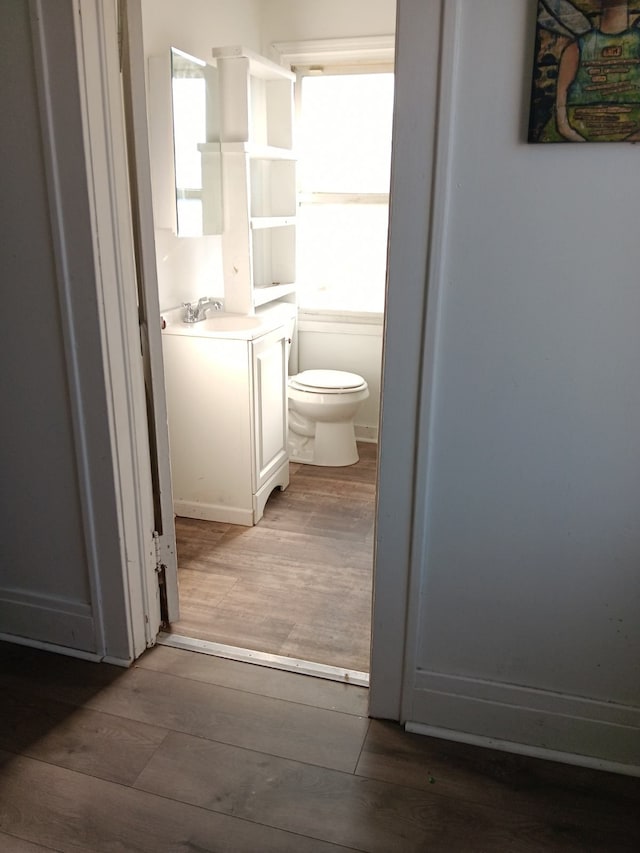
161	574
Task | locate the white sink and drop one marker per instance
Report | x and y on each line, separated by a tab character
216	325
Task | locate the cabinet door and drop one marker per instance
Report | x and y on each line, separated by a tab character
270	404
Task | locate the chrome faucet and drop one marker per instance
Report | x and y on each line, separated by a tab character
195	313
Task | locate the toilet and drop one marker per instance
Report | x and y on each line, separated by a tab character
322	406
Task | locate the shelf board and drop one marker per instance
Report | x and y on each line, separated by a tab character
262	295
258	223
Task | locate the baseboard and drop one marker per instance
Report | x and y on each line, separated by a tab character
591	730
122	662
524	749
214	512
64	650
47	619
367	434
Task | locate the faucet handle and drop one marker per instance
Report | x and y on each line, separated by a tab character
208	302
190	313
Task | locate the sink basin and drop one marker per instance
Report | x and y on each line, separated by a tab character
218	325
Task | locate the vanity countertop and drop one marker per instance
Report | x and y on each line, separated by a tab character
220	324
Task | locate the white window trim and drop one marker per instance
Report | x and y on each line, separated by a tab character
343	198
372	50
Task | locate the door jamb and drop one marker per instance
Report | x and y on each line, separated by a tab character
97	42
407	382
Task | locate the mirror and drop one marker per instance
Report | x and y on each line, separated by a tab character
196	145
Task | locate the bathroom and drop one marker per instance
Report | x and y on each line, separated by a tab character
191	268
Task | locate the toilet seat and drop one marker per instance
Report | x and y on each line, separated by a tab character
327	381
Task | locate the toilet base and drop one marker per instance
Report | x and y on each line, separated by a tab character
332	446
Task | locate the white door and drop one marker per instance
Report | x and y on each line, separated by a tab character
270	404
133	80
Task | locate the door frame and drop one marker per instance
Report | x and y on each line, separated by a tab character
97	49
404	322
409	345
137	141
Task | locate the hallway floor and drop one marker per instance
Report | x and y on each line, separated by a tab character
187	752
299	583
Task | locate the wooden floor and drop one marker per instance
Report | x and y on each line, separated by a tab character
297	584
186	752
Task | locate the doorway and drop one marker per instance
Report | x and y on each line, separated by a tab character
310	541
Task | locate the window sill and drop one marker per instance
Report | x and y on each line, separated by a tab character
348	323
321	315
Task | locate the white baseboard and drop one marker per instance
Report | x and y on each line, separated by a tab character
64	650
47	619
49	647
543	721
524	749
122	662
368	434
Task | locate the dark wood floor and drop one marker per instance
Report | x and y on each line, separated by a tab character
297	584
186	752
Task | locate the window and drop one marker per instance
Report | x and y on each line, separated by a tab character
344	147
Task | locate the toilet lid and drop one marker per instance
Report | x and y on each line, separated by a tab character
326	381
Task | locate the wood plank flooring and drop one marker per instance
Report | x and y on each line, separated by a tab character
297	584
186	752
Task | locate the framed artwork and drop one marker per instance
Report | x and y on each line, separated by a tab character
586	74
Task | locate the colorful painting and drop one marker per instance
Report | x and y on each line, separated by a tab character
586	76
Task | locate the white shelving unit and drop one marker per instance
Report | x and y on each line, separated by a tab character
258	179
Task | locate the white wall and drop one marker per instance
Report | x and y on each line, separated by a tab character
526	597
300	20
38	452
57	499
196	26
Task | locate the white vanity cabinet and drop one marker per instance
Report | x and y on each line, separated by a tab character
227	404
258	179
269	354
